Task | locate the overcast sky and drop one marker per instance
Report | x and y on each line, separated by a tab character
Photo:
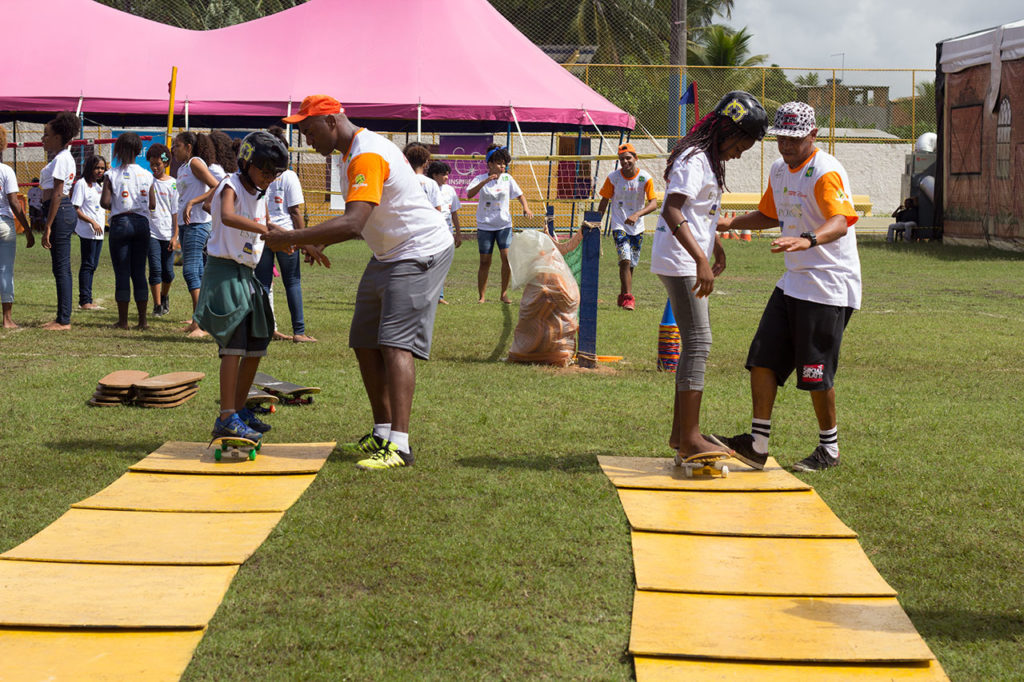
871	33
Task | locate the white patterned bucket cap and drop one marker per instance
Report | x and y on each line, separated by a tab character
793	119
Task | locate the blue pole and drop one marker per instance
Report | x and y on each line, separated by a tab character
586	352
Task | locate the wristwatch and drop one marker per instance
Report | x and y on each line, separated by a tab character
810	236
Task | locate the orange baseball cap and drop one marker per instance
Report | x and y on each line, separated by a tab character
316	105
627	147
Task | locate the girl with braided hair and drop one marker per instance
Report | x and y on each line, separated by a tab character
685	240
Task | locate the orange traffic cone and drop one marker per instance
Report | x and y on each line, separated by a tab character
745	235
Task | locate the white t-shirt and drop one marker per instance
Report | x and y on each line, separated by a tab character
8	185
87	198
218	172
35	197
449	204
62	167
492	208
403	225
625	197
161	218
130	187
694	178
240	246
801	200
190	187
431	189
284	193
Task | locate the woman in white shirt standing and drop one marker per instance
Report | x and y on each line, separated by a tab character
91	218
685	240
57	179
163	228
493	219
10	208
126	194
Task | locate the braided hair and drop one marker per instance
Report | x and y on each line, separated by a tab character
706	136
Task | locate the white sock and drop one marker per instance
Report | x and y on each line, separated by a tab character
829	439
400	441
761	430
382	430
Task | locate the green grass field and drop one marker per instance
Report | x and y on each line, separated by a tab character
504	553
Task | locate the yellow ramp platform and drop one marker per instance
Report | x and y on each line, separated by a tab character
128	537
764	514
189	493
665	669
53	595
658	473
111	656
815	567
815	630
179	457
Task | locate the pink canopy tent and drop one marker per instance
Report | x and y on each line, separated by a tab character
457	60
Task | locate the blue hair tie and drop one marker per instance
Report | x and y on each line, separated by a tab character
491	153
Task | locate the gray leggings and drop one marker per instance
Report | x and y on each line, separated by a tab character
694	324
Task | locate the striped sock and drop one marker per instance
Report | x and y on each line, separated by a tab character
761	429
829	439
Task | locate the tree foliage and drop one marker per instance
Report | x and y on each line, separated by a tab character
201	15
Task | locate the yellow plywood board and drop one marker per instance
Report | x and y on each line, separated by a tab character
54	595
790	514
186	493
815	630
658	473
111	656
127	537
650	669
815	567
178	457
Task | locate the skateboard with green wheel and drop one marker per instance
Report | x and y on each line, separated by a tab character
229	444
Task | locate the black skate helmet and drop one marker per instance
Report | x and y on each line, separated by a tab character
263	150
745	111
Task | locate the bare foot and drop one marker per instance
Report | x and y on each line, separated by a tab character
278	336
118	325
9	324
142	326
481	300
442	301
90	306
56	326
505	299
688	449
302	338
192	326
197	333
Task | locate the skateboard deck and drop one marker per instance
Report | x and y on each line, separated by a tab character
144	400
289	393
166	393
123	379
239	445
261	402
175	403
168	381
706	463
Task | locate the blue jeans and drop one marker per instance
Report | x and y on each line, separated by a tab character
161	261
8	244
91	249
60	255
129	249
193	253
291	276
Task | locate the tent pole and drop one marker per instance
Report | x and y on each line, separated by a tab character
288	126
522	141
186	112
551	152
170	107
419	121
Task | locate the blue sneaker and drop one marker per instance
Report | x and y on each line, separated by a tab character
250	419
234	427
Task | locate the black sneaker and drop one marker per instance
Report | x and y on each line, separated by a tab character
252	421
743	445
818	461
165	305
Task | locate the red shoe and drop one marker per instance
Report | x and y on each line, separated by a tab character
622	300
628	302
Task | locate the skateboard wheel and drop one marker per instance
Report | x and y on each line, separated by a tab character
259	445
725	471
216	454
273	409
252	454
687	472
677	460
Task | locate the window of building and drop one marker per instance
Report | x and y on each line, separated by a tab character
1003	140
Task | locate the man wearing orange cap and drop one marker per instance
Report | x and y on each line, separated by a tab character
630	191
396	301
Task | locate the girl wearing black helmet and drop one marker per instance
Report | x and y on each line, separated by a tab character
232	305
685	240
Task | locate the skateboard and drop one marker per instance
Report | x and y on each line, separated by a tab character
287	392
261	402
228	444
706	464
117	387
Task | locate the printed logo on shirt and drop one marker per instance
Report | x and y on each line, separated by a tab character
810	172
124	193
359	181
813	373
279	200
714	209
842	196
247	248
143	191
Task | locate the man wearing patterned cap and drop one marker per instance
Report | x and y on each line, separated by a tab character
808	198
396	301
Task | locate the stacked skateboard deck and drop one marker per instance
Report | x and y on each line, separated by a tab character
132	387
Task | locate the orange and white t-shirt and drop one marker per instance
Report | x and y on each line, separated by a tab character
626	196
403	225
801	199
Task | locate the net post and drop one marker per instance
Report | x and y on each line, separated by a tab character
586	352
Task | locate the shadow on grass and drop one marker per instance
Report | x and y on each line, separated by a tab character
940	251
576	463
968	626
506	332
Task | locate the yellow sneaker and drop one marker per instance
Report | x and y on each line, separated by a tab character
387	456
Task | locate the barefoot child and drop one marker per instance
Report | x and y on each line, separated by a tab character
163	228
232	305
684	241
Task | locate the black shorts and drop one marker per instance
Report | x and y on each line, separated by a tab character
796	334
243	343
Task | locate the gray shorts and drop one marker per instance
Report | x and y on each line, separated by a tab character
396	303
